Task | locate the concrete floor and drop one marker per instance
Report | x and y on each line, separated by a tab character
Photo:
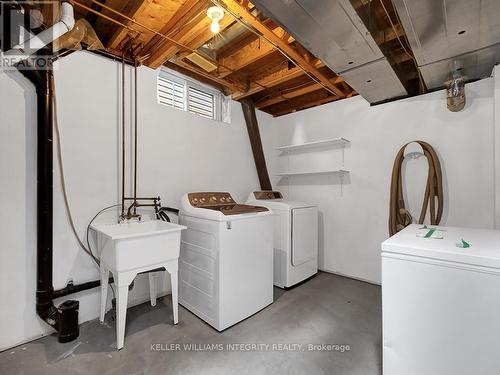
327	309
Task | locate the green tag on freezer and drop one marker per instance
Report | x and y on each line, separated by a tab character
463	244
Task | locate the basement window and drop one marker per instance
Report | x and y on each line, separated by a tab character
171	92
181	92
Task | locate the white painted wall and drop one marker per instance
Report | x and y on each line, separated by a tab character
353	224
179	152
496	75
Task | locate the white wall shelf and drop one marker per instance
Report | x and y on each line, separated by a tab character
316	144
334	143
335	171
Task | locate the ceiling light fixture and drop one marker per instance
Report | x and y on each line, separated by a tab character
215	13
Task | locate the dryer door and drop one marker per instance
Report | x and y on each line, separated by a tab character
304	234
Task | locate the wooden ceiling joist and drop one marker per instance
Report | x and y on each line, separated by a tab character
248	54
232	86
259	59
273	79
131	9
241	12
294	107
184	34
196	75
294	93
193	37
246	37
189	9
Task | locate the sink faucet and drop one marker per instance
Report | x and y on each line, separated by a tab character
131	215
131	211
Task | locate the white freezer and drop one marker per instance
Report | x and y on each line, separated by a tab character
441	303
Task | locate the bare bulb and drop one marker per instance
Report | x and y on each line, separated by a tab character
215	27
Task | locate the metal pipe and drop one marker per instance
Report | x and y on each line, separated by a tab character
44	305
71	288
123	135
161	35
64	318
144	199
89	9
135	136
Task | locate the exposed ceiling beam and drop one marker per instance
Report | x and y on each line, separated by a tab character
232	86
256	50
314	103
205	36
273	79
183	35
194	34
191	73
189	9
390	34
241	12
131	9
242	40
294	93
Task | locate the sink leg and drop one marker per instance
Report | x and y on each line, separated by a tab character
175	301
121	314
152	288
104	291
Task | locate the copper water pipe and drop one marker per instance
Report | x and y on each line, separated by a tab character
135	136
123	135
128	19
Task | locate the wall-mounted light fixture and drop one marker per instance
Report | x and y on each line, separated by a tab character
215	13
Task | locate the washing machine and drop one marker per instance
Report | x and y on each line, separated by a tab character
295	237
226	258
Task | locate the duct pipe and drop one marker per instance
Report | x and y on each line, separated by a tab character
26	49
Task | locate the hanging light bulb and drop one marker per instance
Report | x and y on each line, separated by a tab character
215	27
215	13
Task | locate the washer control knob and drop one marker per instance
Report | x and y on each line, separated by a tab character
222	199
213	198
203	200
194	201
228	199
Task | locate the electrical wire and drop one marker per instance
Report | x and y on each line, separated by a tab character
91	221
64	190
88	237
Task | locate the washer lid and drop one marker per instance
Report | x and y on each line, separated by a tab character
235	209
274	200
219	206
480	247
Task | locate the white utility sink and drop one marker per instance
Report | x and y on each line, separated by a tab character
130	248
138	244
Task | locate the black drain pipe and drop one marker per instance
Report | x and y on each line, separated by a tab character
64	318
